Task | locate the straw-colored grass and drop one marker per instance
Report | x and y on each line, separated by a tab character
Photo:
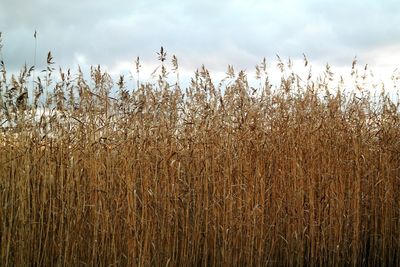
307	174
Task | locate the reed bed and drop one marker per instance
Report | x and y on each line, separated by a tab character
304	173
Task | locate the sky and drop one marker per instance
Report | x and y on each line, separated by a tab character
210	32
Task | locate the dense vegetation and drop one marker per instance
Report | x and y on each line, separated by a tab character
304	173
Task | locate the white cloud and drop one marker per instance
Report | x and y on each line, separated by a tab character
214	33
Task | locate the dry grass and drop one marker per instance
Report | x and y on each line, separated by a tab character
304	175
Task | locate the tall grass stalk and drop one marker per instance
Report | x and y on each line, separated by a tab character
307	174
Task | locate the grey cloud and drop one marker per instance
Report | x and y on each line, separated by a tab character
216	33
361	24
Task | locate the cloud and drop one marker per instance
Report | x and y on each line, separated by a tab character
214	33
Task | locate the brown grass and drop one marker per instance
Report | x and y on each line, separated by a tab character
304	175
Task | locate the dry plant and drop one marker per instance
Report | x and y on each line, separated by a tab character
304	174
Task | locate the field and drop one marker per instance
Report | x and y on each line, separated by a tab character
304	173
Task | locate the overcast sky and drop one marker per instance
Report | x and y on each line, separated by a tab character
211	32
